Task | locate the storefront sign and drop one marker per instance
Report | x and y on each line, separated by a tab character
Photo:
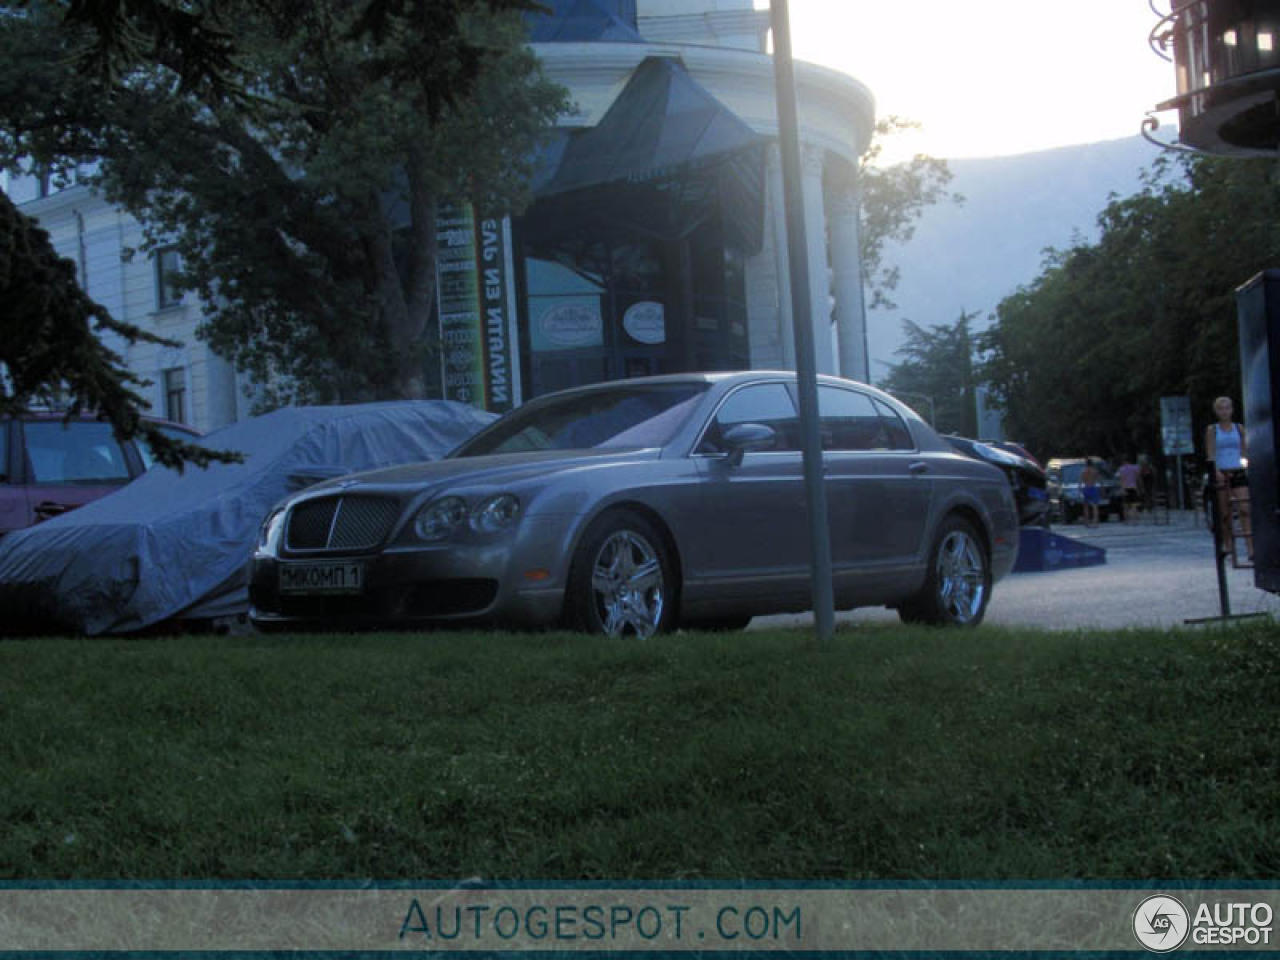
476	288
567	322
645	322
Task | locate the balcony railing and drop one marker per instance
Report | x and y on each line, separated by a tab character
1226	55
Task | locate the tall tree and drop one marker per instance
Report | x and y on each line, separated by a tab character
50	351
1079	357
299	179
892	199
936	375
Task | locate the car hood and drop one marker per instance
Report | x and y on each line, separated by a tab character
504	468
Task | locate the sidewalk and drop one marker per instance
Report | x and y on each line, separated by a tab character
1155	576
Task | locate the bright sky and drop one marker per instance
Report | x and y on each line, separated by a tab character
992	77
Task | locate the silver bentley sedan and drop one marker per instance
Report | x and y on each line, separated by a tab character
636	506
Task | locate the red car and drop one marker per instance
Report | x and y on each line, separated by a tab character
48	467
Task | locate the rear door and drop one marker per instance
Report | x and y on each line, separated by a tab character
879	489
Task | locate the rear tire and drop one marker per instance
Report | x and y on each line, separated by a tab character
622	580
958	585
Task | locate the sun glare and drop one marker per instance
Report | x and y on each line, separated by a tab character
993	77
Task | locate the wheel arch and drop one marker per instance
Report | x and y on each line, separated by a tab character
652	516
968	512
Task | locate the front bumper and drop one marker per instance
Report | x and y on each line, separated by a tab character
517	580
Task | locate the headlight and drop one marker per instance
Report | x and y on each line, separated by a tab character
269	532
496	513
440	519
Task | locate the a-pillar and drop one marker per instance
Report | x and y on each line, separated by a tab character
846	266
815	223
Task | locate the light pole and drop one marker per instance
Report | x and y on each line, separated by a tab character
802	311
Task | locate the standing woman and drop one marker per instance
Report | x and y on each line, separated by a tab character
1224	444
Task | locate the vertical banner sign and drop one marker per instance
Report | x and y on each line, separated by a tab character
476	288
1175	434
1175	426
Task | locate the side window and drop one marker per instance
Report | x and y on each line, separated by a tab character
766	403
899	432
79	453
850	421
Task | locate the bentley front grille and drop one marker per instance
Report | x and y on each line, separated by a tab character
341	523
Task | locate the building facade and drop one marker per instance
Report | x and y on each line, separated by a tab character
656	242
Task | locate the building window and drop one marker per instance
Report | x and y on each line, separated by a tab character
168	264
175	395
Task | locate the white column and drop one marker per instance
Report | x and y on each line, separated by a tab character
846	264
776	211
815	222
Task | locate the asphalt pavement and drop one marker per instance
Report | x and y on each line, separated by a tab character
1155	575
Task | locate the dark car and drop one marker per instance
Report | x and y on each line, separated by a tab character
628	508
49	465
1026	478
1066	493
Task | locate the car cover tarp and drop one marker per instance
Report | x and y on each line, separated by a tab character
173	545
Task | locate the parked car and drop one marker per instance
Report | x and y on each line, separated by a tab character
1066	494
632	507
1026	478
49	465
1017	449
174	546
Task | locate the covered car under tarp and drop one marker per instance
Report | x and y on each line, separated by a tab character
173	546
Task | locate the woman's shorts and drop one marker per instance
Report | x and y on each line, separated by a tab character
1236	479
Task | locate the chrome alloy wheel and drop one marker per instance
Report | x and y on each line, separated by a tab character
961	577
627	584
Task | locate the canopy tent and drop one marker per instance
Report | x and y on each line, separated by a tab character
665	157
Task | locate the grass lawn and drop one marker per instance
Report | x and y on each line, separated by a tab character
895	753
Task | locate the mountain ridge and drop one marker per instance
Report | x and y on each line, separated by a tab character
972	255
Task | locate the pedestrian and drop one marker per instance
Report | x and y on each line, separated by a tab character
1090	491
1130	484
1146	481
1225	446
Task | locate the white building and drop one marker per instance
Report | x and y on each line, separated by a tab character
654	252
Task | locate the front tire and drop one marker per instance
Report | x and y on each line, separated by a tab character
622	581
958	585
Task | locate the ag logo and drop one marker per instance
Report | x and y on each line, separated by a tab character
1161	923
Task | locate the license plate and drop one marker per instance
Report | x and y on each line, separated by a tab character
321	578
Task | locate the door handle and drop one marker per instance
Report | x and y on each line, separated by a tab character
918	467
51	508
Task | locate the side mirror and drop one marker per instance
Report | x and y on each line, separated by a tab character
743	437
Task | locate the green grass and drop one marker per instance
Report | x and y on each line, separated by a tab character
895	753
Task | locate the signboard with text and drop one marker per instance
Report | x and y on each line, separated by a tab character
475	281
1175	426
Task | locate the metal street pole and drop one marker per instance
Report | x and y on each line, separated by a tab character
802	312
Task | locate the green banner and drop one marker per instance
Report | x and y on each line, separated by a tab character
476	288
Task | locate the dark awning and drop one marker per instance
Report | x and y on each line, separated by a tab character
665	157
662	120
583	21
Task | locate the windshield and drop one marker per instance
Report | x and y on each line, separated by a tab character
624	416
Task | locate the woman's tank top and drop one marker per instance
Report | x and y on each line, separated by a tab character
1228	446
